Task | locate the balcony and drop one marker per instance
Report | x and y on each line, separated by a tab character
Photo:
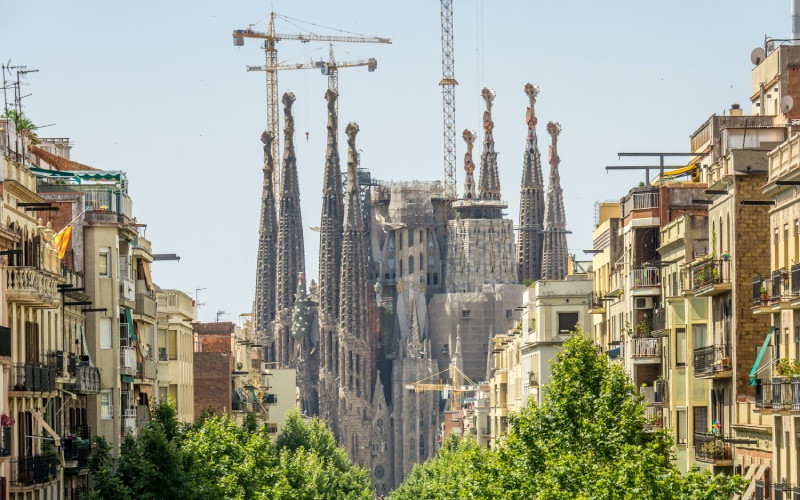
711	277
127	360
146	369
645	200
32	377
145	302
646	277
596	303
713	361
55	360
784	491
37	469
107	200
646	350
713	449
127	290
87	380
778	394
33	287
659	321
653	417
129	421
76	445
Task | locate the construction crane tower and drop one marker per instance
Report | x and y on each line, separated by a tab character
448	84
454	389
271	67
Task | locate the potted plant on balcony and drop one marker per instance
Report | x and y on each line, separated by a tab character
764	295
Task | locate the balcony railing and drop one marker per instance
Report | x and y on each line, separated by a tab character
785	491
33	377
794	277
711	448
127	289
87	380
127	358
32	470
162	354
596	301
146	368
659	320
709	273
778	393
32	286
645	200
145	304
778	282
711	360
646	277
758	296
646	347
654	416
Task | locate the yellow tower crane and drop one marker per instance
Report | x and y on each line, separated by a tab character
271	38
454	389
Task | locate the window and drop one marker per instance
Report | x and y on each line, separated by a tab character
162	345
106	406
700	336
700	419
104	262
400	270
465	313
105	333
680	347
567	322
421	261
410	237
509	314
680	417
431	261
173	344
410	263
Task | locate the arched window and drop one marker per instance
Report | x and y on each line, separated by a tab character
410	263
421	261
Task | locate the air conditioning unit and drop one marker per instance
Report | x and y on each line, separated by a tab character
644	302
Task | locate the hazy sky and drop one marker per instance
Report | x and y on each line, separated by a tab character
158	90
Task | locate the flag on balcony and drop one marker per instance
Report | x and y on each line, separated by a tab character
61	241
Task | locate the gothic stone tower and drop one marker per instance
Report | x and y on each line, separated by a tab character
416	414
554	260
330	258
489	188
531	200
355	351
290	251
381	468
264	309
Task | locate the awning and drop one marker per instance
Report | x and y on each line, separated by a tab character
128	379
129	320
757	365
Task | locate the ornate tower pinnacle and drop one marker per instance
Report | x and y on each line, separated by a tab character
414	347
531	201
554	259
489	188
290	261
355	353
265	266
469	181
330	258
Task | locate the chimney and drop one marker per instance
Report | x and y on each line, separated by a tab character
736	110
796	21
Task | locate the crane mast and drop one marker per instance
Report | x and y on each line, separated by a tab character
271	67
448	84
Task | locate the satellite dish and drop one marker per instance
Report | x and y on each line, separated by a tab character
757	56
787	103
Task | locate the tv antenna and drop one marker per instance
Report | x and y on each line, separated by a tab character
220	312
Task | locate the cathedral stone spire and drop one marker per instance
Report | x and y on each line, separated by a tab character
290	252
489	188
469	166
265	266
355	352
330	258
414	348
531	200
554	259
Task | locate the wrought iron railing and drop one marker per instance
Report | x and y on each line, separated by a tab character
763	393
795	280
777	282
778	393
710	272
712	359
660	395
5	441
35	377
712	447
758	296
37	469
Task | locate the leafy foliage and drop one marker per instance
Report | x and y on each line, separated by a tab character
22	124
217	459
586	440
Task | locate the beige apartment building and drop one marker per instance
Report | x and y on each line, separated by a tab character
175	346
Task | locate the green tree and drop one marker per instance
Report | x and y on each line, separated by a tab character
22	124
586	440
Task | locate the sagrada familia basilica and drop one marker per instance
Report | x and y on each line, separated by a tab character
409	284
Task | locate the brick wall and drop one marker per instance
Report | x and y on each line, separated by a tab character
214	337
751	257
212	382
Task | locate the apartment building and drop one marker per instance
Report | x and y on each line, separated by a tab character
175	346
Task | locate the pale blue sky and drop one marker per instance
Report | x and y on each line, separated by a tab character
158	90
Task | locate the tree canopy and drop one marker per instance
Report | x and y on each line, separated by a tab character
588	439
218	459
